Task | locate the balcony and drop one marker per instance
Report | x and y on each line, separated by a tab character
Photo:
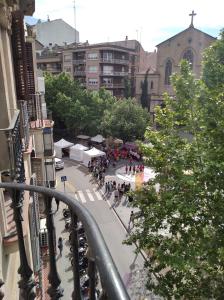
80	73
99	260
39	115
15	149
114	73
114	61
112	85
79	61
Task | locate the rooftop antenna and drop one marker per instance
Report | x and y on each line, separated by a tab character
140	38
75	20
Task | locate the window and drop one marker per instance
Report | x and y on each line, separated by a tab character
48	141
67	69
93	69
168	71
67	58
108	70
189	56
107	80
107	55
93	81
92	55
151	85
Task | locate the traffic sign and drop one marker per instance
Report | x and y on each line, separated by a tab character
63	178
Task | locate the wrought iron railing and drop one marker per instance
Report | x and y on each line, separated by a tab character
99	258
15	149
24	122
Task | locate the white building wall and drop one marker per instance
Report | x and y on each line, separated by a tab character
55	32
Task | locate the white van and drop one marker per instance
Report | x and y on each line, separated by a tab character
59	164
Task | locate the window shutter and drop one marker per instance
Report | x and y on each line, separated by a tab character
19	55
30	69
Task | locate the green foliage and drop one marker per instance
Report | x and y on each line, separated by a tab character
126	120
144	96
83	111
127	88
182	224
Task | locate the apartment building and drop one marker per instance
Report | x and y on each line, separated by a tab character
108	65
26	152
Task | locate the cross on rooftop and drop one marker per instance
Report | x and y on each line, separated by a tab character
192	17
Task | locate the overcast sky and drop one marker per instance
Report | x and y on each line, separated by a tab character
149	21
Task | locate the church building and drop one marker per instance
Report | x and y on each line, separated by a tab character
188	44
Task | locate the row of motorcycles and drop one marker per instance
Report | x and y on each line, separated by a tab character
82	251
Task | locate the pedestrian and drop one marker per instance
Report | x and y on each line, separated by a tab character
57	203
89	165
116	195
134	169
130	168
60	245
106	187
126	169
131	220
114	184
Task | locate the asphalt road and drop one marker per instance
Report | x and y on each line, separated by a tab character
82	187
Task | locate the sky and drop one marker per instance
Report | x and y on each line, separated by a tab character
150	22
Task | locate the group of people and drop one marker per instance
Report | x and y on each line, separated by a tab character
118	189
134	168
98	168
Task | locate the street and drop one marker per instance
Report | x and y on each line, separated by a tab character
80	185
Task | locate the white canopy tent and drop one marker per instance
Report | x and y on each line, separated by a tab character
92	153
98	139
83	137
76	152
62	144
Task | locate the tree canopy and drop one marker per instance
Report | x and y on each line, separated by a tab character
126	120
182	223
144	96
92	112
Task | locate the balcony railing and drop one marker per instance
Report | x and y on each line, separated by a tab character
79	73
79	61
39	115
113	85
15	149
114	73
99	258
25	122
114	61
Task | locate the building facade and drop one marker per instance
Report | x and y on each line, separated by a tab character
26	152
188	44
109	65
55	32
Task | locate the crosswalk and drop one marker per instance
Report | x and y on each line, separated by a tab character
89	195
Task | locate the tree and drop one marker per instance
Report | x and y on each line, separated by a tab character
126	120
127	88
144	96
182	223
76	109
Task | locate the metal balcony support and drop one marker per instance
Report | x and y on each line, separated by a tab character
1	292
55	291
26	282
76	294
112	285
92	278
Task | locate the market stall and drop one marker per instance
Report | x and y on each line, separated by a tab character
76	152
62	148
98	139
89	155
